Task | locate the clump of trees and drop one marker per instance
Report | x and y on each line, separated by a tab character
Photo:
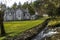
29	6
24	6
50	7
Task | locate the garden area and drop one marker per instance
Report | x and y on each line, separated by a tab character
13	28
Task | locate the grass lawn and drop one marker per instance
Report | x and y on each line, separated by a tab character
54	21
16	27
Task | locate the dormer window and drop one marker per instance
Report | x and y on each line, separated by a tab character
9	14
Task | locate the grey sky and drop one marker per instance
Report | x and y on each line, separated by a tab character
11	2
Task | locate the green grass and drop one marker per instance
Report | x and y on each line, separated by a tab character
54	21
20	26
16	27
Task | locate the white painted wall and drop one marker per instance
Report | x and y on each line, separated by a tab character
19	14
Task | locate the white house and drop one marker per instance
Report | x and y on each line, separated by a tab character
18	14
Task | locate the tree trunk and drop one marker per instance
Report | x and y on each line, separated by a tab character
2	31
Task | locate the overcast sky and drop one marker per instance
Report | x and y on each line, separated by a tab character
11	2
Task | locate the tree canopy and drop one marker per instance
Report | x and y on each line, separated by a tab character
49	7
